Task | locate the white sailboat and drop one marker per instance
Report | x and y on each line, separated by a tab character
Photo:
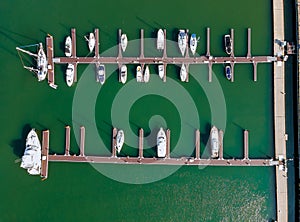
68	46
70	74
161	71
214	142
123	74
161	143
193	43
31	160
160	42
139	74
146	74
120	140
182	41
183	73
41	69
91	41
124	42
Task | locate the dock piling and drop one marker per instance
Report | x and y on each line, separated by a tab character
97	44
45	154
114	142
246	145
207	42
168	143
232	38
142	44
82	140
221	151
141	143
68	135
249	43
197	144
165	44
255	71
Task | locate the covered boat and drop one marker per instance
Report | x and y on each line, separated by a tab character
100	68
124	42
182	39
68	46
161	143
139	74
228	44
183	73
120	140
123	74
31	160
147	74
214	142
228	72
70	74
193	43
160	41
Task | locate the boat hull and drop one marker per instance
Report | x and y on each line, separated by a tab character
161	71
120	140
91	42
193	43
182	41
146	74
214	142
139	74
228	72
161	143
100	73
183	73
42	64
68	46
123	74
160	42
228	44
70	75
124	42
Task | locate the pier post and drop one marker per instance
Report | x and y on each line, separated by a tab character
187	55
114	143
246	145
209	71
142	44
68	135
165	44
120	47
73	37
141	143
221	151
232	71
187	72
165	72
97	50
255	71
232	38
82	140
50	55
168	143
197	144
45	154
208	42
249	43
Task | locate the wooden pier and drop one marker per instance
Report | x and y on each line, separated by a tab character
246	145
68	136
50	55
221	136
45	154
82	140
114	143
96	33
168	135
197	144
141	143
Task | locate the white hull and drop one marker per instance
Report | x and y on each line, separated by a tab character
100	73
182	41
123	74
161	143
91	42
161	71
193	43
160	42
228	44
124	42
68	46
120	140
183	73
146	74
70	75
42	64
31	159
214	142
139	74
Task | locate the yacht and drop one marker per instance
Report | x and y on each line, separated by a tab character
214	142
161	143
160	42
70	74
193	43
161	71
68	46
183	73
228	44
91	42
147	74
31	160
100	73
182	38
228	72
124	42
139	74
120	140
123	74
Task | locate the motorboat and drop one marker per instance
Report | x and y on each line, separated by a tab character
68	46
182	41
161	71
161	143
139	74
120	140
214	142
183	73
124	42
70	74
100	73
123	74
91	41
31	160
228	72
147	74
160	41
228	44
193	43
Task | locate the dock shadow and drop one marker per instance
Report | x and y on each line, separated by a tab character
18	145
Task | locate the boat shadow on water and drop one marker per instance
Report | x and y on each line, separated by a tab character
18	145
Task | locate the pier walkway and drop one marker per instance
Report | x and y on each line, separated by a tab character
279	113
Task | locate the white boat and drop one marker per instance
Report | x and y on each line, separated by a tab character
31	160
161	143
193	43
182	41
160	42
120	140
100	68
183	73
123	74
41	69
161	71
228	44
70	74
68	46
214	142
146	74
91	41
139	74
228	72
124	42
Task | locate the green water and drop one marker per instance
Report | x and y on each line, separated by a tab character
77	192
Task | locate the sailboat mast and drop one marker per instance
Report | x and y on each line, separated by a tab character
27	52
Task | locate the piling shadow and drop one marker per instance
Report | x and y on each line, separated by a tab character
18	145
